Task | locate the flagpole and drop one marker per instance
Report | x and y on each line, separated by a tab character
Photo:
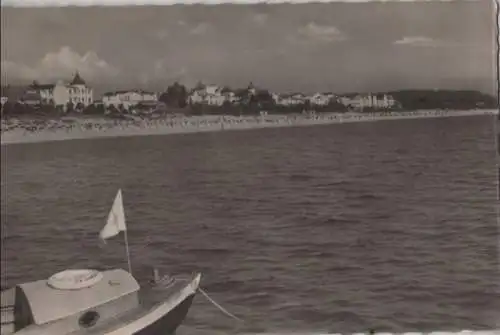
116	224
127	251
125	236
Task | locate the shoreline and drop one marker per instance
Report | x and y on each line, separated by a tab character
73	128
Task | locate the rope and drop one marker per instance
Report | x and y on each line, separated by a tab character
222	309
167	281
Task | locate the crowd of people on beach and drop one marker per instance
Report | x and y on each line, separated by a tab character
66	126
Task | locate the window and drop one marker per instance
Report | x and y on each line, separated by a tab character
88	319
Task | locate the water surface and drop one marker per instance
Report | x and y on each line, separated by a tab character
386	225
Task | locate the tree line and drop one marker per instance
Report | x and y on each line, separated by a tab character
443	99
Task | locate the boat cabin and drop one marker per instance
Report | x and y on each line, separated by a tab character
69	301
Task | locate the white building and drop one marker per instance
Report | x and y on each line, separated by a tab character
230	96
212	95
289	99
59	94
53	94
387	101
128	98
79	92
321	99
369	101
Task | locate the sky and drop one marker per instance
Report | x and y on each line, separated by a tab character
325	47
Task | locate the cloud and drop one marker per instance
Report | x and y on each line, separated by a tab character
164	74
59	65
260	19
200	29
164	71
320	33
161	34
421	41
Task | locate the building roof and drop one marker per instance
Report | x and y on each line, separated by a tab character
42	86
108	94
77	80
63	303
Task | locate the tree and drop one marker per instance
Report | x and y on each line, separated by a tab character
196	109
264	96
442	99
335	106
199	86
18	108
225	89
94	109
163	98
48	109
122	109
183	97
161	107
112	109
175	96
263	100
70	107
8	109
243	95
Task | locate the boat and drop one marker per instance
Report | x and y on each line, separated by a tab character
91	302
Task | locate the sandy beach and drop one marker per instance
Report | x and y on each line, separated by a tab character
67	128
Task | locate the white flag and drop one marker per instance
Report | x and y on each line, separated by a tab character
116	219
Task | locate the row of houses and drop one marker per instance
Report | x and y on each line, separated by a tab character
218	95
128	99
80	94
360	101
76	92
213	95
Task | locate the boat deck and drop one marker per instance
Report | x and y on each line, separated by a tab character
149	297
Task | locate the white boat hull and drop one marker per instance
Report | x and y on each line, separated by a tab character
150	318
165	318
164	324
